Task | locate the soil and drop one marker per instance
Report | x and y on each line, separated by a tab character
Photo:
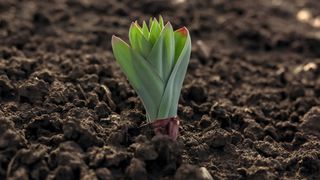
249	108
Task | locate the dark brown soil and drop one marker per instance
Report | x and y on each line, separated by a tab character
250	105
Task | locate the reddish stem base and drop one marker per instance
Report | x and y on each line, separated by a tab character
168	126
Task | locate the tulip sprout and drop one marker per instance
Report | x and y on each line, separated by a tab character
155	63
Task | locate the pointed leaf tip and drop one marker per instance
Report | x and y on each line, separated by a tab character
137	24
114	39
183	31
168	24
132	25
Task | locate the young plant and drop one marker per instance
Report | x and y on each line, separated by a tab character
155	64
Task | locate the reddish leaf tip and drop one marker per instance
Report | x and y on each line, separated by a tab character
183	31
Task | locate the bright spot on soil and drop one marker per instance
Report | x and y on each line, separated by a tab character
179	1
204	49
310	66
316	22
205	173
307	67
304	15
276	2
317	35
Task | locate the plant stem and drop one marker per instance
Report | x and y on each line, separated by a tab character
167	126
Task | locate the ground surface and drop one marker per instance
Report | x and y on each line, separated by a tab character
250	105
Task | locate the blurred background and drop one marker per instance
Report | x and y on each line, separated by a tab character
262	25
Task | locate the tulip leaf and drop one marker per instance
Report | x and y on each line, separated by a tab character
154	31
168	51
145	30
138	41
180	37
122	53
150	84
169	103
161	23
162	53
